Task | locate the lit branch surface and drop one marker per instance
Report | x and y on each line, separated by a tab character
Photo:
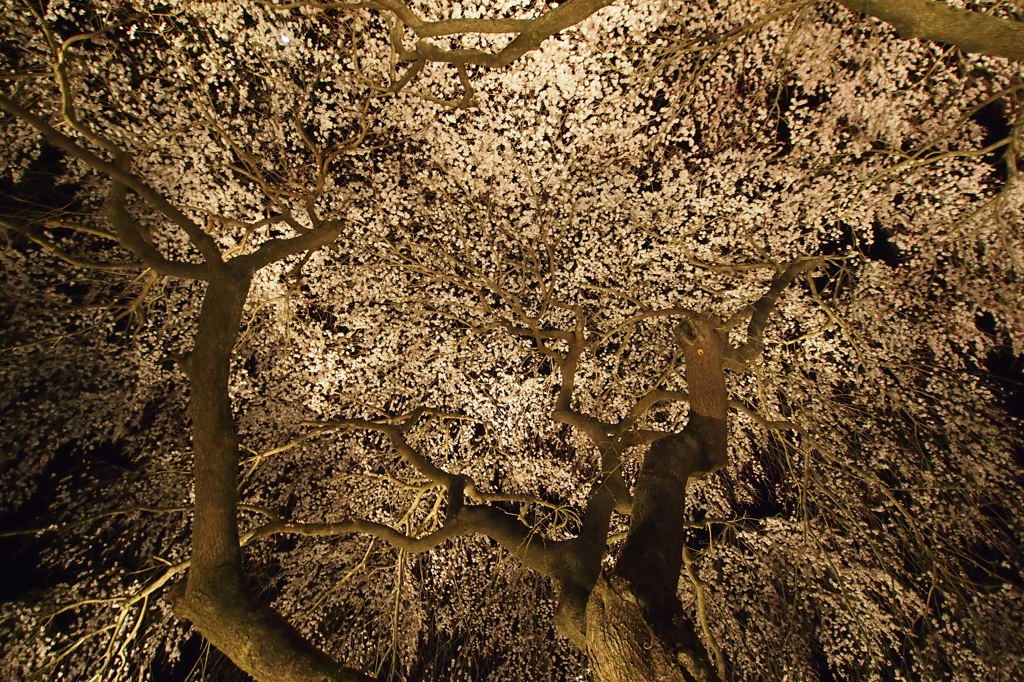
547	341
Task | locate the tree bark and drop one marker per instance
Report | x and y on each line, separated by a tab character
635	624
215	548
621	645
971	31
215	598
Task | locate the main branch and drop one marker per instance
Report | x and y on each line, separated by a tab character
969	30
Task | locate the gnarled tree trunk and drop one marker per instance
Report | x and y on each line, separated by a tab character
635	626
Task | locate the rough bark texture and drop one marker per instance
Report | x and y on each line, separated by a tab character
621	645
970	31
215	548
579	567
652	556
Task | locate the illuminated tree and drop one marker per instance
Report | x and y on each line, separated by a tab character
645	343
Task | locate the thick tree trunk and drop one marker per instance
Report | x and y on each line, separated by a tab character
215	598
969	30
636	628
255	638
621	644
215	549
579	567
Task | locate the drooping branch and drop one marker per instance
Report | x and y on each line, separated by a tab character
969	30
558	16
647	401
530	33
575	563
33	234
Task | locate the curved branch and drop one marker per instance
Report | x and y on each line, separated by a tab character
131	236
647	401
532	549
738	359
205	243
535	551
969	30
531	32
274	250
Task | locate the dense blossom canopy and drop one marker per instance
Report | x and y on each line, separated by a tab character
511	249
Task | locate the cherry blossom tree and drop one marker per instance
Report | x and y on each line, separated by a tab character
580	340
